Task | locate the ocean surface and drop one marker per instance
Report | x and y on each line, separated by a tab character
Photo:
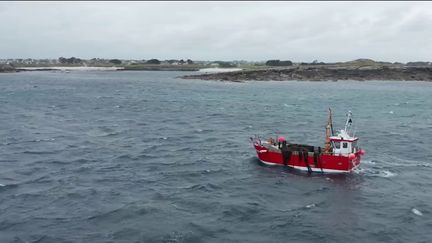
145	157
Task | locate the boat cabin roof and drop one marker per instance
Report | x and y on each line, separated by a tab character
340	139
343	136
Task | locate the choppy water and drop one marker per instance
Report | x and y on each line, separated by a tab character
145	157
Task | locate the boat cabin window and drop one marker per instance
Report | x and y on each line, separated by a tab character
345	145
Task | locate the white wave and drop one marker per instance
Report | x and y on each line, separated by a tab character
44	140
311	205
395	161
219	70
391	112
2	184
424	165
374	172
386	174
359	170
416	212
370	162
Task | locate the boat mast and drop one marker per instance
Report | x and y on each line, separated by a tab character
329	132
348	122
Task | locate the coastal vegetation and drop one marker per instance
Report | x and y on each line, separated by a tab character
278	63
72	60
115	61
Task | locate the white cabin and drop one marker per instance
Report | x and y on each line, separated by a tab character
344	143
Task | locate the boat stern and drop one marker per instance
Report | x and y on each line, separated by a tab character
354	159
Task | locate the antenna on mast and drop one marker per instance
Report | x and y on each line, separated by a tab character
348	122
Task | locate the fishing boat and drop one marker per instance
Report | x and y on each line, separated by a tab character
340	154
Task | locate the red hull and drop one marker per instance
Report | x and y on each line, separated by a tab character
328	163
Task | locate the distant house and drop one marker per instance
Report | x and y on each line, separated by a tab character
131	62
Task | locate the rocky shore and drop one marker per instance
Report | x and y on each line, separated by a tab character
322	73
5	68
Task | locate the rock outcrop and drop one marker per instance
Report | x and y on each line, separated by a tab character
323	73
6	68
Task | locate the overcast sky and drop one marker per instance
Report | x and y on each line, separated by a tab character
298	31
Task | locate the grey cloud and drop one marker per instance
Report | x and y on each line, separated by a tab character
300	31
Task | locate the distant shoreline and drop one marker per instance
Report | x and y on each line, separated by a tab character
77	68
148	67
126	68
91	68
358	70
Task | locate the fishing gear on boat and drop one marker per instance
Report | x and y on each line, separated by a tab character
286	153
340	153
305	157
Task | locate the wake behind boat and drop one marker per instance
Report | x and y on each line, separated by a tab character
340	154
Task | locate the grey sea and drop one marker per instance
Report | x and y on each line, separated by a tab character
147	157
